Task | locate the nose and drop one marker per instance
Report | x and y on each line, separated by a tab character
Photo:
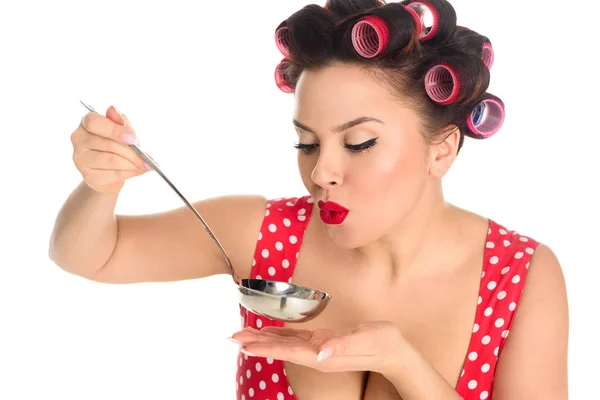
327	172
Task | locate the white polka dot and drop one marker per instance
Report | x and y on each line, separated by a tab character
269	360
240	361
293	239
483	395
512	306
485	368
523	239
258	322
289	204
529	250
502	231
301	217
486	339
237	386
472	384
259	235
297	254
262	385
280	396
489	245
241	380
258	367
479	300
268	205
473	356
267	213
516	279
475	328
501	295
499	322
258	277
272	228
275	378
290	391
243	397
302	211
494	260
518	255
505	270
488	311
248	373
285	263
279	246
251	392
527	266
482	274
287	222
245	356
496	351
290	280
265	253
506	243
310	200
505	334
462	373
491	285
253	262
271	271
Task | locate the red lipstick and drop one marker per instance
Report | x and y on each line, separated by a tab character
332	213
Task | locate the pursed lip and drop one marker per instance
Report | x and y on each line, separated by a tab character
331	206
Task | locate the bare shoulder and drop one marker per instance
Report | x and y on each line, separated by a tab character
174	245
533	362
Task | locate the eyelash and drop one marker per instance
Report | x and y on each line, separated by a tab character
355	148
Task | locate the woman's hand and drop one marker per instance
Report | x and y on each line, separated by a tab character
375	346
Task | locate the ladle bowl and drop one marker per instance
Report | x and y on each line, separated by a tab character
280	301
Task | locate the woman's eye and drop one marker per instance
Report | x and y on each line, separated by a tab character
355	148
306	148
362	146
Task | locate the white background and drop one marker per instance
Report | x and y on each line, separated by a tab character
196	80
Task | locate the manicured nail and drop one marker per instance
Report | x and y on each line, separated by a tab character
325	353
130	138
234	340
248	353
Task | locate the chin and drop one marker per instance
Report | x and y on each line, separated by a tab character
347	237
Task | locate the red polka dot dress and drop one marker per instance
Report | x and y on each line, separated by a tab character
506	260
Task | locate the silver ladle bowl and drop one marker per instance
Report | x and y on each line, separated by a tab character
281	301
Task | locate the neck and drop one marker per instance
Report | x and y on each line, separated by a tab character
416	239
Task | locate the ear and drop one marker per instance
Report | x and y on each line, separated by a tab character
442	152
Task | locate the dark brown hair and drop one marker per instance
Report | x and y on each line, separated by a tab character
315	37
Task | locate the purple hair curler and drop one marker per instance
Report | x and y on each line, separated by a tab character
487	117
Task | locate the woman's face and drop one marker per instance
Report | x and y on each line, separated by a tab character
359	148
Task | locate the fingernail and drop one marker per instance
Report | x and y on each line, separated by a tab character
147	166
234	340
325	353
248	353
130	138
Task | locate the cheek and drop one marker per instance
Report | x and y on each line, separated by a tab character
389	170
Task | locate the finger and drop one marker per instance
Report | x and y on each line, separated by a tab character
99	143
105	127
302	353
303	334
102	160
359	343
247	337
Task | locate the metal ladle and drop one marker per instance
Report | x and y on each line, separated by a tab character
280	301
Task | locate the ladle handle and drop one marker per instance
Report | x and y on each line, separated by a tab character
156	168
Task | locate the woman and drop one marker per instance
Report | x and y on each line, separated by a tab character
425	293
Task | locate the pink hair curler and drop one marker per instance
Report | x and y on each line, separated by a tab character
442	84
280	78
418	20
423	9
282	40
370	36
486	118
487	54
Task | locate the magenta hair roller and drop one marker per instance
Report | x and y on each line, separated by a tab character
280	78
370	36
282	40
487	54
442	84
487	117
425	11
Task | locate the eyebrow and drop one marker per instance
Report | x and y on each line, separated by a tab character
342	127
